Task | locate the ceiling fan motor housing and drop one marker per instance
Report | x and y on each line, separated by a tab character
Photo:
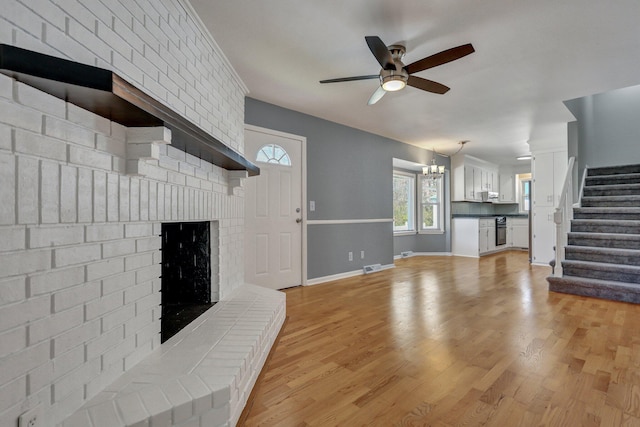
392	80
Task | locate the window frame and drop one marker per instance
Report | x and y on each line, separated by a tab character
283	160
440	227
523	196
411	210
521	179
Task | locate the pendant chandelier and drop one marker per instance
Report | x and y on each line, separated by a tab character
433	171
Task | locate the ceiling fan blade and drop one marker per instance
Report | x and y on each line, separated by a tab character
350	79
428	85
440	58
379	93
381	52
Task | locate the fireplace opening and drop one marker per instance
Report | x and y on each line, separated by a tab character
186	275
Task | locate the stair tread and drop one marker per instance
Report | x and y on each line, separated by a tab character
618	251
604	236
608	209
615	175
593	281
604	221
611	186
601	265
614	197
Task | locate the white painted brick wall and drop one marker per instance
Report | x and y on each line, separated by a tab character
79	244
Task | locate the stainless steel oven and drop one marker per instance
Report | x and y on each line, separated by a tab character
501	230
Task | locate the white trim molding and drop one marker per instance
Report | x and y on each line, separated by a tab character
345	275
347	221
423	254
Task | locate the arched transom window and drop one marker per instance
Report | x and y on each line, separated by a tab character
273	153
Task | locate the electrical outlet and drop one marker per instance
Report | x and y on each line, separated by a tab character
31	418
350	256
361	254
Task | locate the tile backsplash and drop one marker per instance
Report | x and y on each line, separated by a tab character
472	208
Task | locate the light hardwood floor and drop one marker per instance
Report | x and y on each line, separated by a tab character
447	341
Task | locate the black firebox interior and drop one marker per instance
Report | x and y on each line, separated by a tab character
186	274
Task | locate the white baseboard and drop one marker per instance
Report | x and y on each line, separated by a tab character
466	256
432	254
345	275
424	254
541	264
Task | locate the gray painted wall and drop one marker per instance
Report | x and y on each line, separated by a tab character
608	128
349	176
332	243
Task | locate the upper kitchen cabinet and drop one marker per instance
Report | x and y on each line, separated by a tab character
471	176
507	185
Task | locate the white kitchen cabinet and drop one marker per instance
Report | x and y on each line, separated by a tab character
470	176
495	181
489	180
477	183
487	235
474	236
518	232
507	186
483	239
463	240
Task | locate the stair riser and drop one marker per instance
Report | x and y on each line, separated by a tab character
578	255
615	216
598	203
613	170
556	285
605	228
612	180
619	276
595	192
604	243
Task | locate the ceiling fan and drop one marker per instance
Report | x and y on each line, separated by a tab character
394	75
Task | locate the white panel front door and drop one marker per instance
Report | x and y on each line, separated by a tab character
273	210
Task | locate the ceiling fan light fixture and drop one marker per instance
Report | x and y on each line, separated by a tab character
393	83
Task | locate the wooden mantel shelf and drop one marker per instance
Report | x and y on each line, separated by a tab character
108	95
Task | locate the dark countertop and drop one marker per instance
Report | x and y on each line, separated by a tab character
489	215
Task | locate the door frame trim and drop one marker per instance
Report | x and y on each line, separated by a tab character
303	202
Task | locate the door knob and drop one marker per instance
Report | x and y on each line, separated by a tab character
298	220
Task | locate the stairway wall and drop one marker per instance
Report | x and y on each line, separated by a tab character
610	117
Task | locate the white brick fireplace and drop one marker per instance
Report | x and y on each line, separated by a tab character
82	200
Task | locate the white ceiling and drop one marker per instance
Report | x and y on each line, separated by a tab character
530	56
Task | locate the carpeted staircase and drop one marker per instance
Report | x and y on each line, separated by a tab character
602	258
